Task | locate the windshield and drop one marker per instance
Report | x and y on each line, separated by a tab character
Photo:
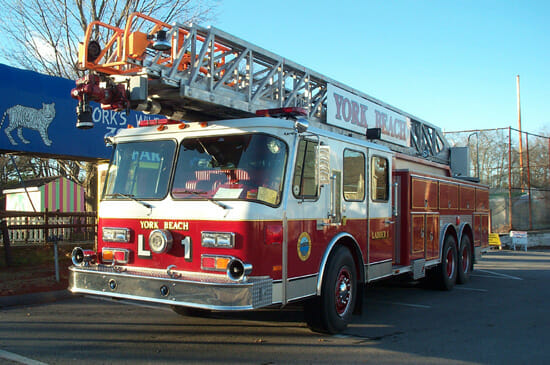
140	170
240	167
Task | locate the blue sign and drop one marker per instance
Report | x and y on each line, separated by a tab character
38	116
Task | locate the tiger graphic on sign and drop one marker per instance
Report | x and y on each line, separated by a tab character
31	118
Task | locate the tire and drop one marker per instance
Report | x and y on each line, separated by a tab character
190	311
446	271
332	311
465	261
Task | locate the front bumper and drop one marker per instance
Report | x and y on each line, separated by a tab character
205	291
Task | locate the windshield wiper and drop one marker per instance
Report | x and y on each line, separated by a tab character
131	197
200	193
209	154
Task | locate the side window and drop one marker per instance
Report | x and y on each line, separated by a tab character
354	175
304	181
379	179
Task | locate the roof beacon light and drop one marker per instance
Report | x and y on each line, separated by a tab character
288	112
157	122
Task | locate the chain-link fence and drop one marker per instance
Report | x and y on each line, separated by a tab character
517	171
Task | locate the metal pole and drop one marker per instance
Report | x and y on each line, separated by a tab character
510	177
477	151
477	158
56	260
6	241
529	181
22	182
520	135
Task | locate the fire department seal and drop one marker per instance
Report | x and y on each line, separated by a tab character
304	246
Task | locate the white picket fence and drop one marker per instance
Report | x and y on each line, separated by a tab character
37	235
78	228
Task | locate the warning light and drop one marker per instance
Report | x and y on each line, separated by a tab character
291	112
115	255
214	262
274	234
157	122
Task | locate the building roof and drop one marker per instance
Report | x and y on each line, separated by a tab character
30	183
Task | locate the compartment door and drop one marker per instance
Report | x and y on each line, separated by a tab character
418	239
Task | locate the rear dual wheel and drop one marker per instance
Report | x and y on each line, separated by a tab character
447	271
465	260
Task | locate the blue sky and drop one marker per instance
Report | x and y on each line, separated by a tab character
451	63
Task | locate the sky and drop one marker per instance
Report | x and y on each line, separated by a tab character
451	63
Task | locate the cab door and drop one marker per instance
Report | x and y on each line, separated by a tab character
381	225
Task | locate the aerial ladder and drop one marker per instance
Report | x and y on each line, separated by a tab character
193	73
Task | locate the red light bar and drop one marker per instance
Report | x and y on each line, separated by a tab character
282	112
153	122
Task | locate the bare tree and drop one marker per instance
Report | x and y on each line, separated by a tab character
43	35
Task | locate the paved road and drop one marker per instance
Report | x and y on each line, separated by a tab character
501	316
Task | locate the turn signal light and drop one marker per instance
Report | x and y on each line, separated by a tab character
115	255
215	263
107	255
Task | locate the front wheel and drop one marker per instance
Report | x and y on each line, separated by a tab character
332	311
465	262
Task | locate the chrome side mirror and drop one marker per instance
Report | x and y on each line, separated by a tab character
301	125
109	140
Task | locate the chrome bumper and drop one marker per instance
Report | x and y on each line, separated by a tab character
186	289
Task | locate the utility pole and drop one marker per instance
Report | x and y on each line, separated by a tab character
520	136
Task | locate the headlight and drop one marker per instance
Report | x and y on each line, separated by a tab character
218	239
116	234
160	241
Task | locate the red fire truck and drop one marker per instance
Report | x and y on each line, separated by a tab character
267	183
